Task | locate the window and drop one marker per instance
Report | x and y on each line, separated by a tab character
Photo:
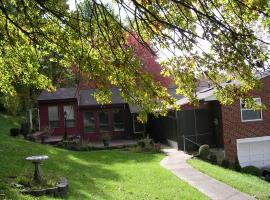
53	116
118	120
248	114
137	126
104	121
70	118
89	122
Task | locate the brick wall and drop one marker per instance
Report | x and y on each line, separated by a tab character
234	128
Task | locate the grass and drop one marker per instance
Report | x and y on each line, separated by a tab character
248	184
103	175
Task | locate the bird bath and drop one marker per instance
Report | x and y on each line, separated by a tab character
36	160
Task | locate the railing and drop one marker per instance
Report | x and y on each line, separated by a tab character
191	141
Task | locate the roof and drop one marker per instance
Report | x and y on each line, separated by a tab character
87	98
61	93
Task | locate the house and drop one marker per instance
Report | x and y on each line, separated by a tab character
76	112
227	127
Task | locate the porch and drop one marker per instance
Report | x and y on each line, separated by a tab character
115	143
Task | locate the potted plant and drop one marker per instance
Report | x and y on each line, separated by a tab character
105	139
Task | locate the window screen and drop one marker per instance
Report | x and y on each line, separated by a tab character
70	118
118	120
104	121
137	126
89	122
53	116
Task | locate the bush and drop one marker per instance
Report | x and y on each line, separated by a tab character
225	163
237	165
25	128
204	151
213	159
252	170
14	132
148	145
145	142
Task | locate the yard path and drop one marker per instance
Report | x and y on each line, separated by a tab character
175	161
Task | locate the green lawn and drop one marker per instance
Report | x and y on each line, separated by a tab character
249	184
93	175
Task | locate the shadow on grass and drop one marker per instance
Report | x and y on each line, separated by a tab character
89	173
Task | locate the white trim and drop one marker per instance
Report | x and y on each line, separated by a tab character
254	139
250	120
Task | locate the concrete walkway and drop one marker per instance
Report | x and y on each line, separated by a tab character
176	163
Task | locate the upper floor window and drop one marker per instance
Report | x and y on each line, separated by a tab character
69	114
53	116
118	120
248	114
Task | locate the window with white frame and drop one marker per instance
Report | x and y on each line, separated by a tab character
70	118
249	114
53	116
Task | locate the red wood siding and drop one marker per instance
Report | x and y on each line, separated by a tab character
44	117
79	116
114	134
234	128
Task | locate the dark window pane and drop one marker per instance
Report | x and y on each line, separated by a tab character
118	120
54	124
251	115
70	123
138	127
89	122
53	116
103	121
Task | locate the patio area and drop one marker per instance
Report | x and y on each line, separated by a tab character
116	143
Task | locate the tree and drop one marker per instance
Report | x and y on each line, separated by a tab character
97	44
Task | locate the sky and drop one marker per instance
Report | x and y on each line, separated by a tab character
163	53
72	4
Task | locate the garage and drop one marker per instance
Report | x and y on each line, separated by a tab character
254	151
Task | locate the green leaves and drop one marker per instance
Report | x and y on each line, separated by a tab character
214	40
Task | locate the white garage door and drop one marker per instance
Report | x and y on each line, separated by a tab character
254	151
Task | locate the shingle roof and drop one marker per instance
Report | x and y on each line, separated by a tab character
61	93
86	97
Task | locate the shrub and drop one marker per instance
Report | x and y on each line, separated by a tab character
237	165
252	170
213	159
157	147
14	132
30	138
225	163
145	142
204	151
148	145
106	136
25	128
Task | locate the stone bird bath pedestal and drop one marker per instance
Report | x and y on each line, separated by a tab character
36	160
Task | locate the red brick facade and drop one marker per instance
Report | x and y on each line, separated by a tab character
234	128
